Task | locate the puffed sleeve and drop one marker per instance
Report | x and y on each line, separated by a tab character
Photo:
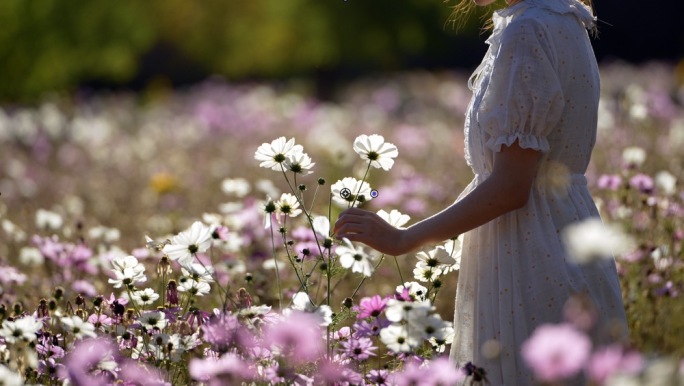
523	100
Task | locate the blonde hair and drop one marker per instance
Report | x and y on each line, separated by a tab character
464	8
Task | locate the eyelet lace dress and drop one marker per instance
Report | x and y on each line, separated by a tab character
538	85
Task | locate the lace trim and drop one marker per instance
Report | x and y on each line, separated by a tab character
526	141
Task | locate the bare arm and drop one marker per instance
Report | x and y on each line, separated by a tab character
506	189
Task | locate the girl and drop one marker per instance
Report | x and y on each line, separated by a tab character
530	129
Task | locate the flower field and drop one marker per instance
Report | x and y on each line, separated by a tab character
184	237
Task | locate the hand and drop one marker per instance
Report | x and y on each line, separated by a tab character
370	229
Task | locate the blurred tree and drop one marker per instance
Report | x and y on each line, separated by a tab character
54	45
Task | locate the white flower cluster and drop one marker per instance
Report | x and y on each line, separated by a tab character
284	155
127	271
414	322
438	261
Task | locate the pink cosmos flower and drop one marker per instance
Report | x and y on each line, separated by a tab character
609	182
371	307
556	351
297	337
229	369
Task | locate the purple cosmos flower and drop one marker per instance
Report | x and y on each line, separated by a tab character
556	351
371	307
366	328
225	332
642	182
359	349
378	377
229	369
90	363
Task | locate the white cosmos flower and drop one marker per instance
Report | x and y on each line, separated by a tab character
666	183
430	326
302	302
22	329
354	258
400	310
396	337
454	248
46	219
238	187
348	190
288	205
198	272
634	156
274	154
394	218
590	240
321	225
186	244
144	297
437	258
153	319
198	288
299	163
77	327
9	377
424	272
415	290
127	271
373	148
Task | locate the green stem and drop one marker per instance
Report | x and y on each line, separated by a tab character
275	260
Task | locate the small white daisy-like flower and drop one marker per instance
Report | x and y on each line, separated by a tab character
186	244
193	287
288	205
78	327
437	258
273	154
397	338
299	163
634	156
238	187
153	319
415	290
430	325
198	272
379	153
590	240
9	377
394	218
424	272
302	302
348	190
354	258
22	329
46	219
400	310
454	248
321	225
666	183
127	271
144	297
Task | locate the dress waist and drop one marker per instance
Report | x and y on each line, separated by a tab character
572	179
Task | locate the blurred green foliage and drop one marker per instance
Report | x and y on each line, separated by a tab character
50	45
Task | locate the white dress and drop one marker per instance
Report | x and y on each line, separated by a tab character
539	85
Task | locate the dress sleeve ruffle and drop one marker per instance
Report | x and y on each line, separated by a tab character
525	141
523	100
